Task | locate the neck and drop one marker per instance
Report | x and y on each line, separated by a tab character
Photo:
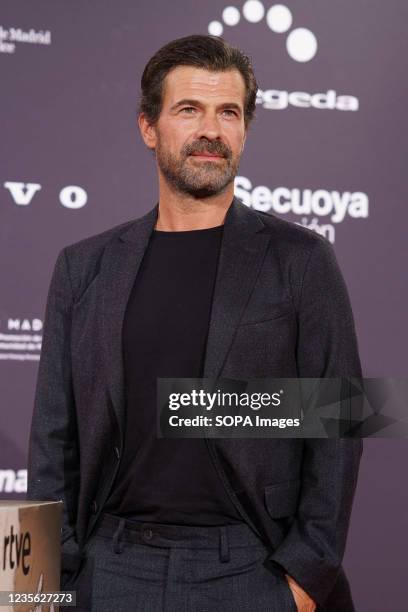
182	212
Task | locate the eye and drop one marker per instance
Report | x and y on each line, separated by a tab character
188	109
230	112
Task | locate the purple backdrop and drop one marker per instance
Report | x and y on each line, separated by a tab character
327	150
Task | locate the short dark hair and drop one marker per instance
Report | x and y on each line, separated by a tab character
203	51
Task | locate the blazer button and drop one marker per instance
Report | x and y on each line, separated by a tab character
117	452
94	507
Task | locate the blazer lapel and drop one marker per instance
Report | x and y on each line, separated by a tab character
242	252
243	249
119	267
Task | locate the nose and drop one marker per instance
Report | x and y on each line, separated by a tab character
209	127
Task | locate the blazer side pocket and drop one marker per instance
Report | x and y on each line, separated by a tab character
281	498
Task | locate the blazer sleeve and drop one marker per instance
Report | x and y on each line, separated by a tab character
313	549
53	456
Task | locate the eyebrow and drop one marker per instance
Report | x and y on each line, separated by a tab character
191	102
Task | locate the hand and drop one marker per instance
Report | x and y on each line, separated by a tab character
304	602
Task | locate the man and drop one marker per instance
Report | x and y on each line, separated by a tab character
199	286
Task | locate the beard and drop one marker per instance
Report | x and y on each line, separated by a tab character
200	178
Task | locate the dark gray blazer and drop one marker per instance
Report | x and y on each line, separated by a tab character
280	309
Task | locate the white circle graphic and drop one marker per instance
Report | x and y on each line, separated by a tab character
231	16
279	18
253	11
301	44
215	28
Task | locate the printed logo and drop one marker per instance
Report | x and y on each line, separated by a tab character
71	196
12	481
22	340
312	205
274	99
9	37
301	43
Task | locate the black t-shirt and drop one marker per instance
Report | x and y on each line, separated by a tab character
165	329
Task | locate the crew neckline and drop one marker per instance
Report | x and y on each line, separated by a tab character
188	232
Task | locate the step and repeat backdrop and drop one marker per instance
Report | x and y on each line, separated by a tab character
328	150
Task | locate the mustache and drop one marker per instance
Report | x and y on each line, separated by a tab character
215	147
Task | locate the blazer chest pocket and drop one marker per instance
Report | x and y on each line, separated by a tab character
281	498
259	311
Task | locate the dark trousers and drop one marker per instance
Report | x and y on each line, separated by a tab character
149	567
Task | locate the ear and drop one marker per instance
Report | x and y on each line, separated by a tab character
148	131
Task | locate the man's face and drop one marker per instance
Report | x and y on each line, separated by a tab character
200	133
